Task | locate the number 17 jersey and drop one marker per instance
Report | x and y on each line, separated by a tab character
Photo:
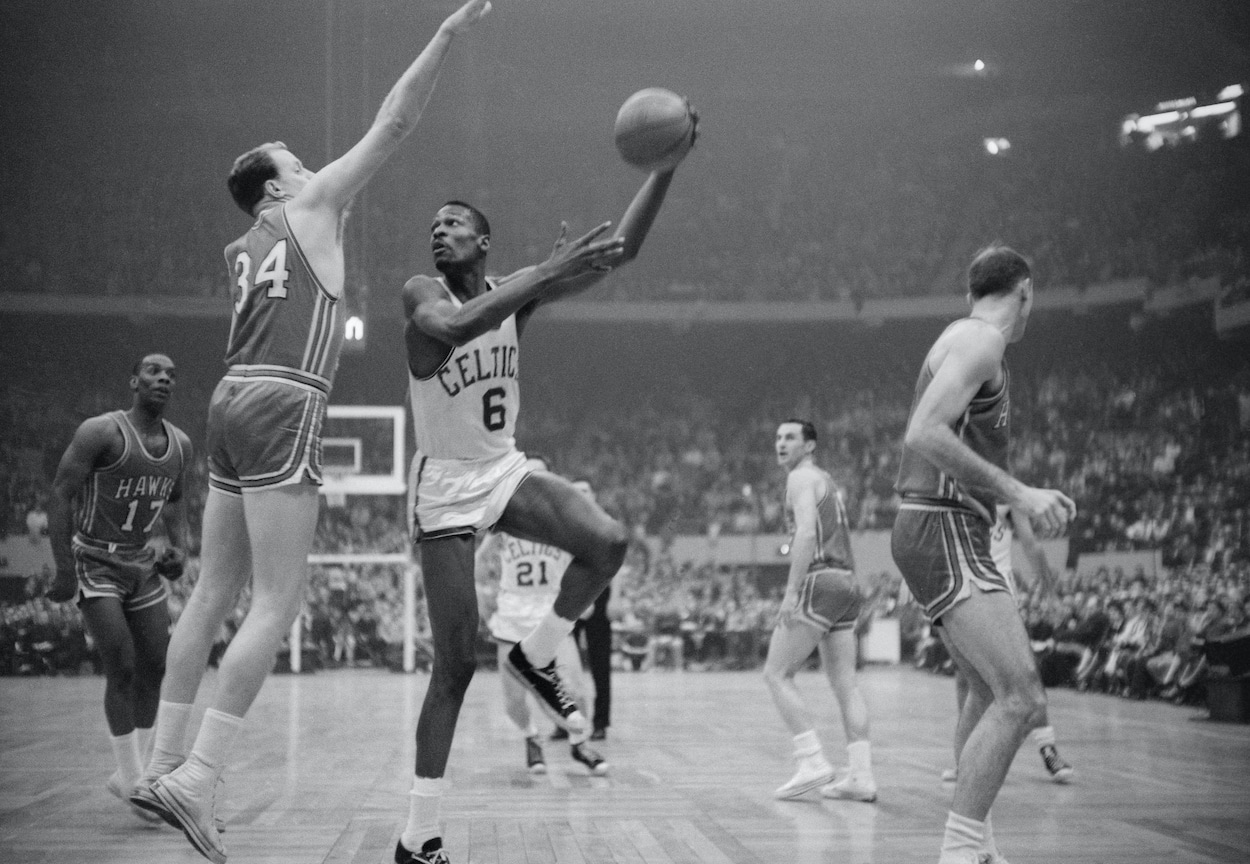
467	408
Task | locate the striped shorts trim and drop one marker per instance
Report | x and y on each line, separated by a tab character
280	374
127	573
942	552
463	496
263	435
829	600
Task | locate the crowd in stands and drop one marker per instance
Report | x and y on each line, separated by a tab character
1156	452
1135	635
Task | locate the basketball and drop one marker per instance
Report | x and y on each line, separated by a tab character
654	129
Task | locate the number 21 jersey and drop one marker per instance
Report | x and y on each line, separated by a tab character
467	408
286	324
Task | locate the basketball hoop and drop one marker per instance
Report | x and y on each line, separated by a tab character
332	488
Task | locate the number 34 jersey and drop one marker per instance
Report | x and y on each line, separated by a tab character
286	325
467	408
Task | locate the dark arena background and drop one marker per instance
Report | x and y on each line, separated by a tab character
853	156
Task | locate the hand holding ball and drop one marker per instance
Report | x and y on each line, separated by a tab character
655	129
171	563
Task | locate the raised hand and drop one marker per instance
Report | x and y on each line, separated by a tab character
583	255
466	16
694	121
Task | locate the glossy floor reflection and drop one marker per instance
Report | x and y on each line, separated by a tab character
325	762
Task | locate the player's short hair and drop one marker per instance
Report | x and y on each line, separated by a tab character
480	223
996	269
807	428
134	370
249	174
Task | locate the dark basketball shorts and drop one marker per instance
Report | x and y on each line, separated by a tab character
829	600
264	434
942	552
113	570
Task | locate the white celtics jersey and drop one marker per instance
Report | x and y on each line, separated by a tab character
529	575
467	409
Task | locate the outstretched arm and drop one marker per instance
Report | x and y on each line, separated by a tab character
632	231
334	186
426	303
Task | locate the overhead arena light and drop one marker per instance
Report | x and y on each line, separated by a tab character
1152	121
1214	110
1185	120
997	146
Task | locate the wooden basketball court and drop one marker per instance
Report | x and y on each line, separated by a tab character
325	762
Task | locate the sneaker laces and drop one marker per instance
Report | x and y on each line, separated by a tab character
1051	757
567	706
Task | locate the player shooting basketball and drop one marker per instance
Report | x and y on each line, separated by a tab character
462	343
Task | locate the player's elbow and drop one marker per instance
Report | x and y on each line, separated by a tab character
918	438
62	495
459	333
453	330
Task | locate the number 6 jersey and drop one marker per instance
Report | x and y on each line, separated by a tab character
467	408
286	325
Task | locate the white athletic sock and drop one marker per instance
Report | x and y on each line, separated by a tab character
859	754
1044	735
169	744
962	835
531	731
806	744
424	801
126	752
145	737
213	745
541	644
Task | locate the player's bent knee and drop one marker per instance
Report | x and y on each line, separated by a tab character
613	543
1025	706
